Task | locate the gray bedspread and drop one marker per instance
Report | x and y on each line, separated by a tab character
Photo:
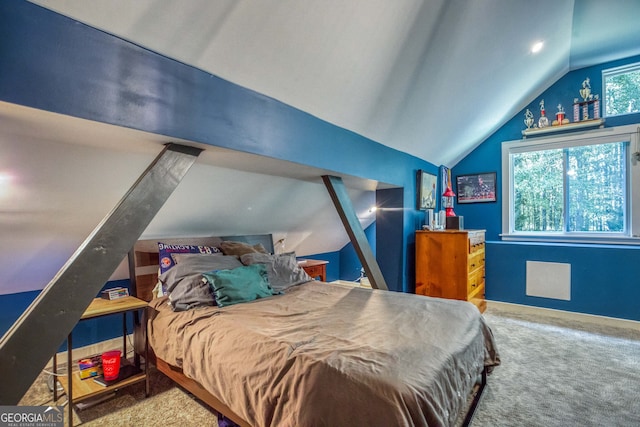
329	355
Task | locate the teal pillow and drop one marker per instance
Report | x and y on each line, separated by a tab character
241	284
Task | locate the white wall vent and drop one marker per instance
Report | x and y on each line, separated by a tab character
549	280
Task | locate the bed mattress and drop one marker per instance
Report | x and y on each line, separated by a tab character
324	354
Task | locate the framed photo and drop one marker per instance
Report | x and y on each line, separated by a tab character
476	188
427	190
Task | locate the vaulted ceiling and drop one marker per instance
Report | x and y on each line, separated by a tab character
432	78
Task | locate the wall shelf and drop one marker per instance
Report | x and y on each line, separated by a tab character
559	128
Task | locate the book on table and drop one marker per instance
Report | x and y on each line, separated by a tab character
126	371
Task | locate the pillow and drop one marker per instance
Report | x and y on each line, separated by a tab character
283	270
190	264
238	248
165	251
203	263
190	292
242	284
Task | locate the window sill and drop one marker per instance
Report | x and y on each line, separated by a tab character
591	240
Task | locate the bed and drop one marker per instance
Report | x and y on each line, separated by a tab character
316	353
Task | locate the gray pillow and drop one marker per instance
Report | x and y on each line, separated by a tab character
283	269
184	282
238	249
190	292
197	263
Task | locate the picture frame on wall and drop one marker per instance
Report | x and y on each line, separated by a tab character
476	188
427	190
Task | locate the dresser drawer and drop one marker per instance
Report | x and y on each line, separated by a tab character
476	279
315	270
475	261
476	240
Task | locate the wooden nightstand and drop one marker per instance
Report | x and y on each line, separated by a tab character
315	268
78	389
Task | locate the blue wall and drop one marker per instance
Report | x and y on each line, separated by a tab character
603	278
389	224
56	64
86	332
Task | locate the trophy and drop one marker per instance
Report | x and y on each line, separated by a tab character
528	118
585	92
583	106
560	117
543	121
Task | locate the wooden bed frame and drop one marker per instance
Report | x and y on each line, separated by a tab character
143	272
143	269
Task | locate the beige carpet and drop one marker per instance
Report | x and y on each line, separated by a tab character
555	372
167	405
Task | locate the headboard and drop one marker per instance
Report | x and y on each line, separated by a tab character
144	258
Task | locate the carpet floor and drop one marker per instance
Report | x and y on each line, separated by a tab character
554	372
559	372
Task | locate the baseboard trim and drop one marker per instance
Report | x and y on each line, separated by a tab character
569	315
362	284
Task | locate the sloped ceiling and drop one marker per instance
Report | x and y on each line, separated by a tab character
432	78
63	175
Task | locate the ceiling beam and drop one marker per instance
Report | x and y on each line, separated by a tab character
342	202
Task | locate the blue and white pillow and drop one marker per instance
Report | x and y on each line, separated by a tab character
165	251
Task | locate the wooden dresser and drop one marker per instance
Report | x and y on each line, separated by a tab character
450	264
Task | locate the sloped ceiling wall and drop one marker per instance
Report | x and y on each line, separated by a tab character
429	77
433	78
62	175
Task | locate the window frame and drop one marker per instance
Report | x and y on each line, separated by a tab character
628	133
612	72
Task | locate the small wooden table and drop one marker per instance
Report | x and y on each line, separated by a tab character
315	268
78	389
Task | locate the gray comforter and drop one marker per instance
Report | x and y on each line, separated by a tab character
329	355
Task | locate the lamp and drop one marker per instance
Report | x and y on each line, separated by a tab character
448	196
278	247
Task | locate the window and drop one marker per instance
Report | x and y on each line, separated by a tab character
570	187
621	88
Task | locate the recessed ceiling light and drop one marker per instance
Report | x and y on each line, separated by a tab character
537	47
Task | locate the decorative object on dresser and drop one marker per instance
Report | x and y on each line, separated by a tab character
451	264
454	223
